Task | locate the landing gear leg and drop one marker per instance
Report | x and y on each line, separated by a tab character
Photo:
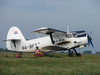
77	54
70	54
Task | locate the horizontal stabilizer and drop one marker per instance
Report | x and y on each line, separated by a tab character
13	40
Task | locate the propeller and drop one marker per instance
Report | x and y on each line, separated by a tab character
90	40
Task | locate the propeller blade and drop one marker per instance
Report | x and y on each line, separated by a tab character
91	43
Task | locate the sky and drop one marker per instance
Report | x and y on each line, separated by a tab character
29	15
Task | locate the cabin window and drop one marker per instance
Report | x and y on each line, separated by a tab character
22	47
69	35
25	47
82	35
38	42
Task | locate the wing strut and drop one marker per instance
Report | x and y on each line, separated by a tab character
51	37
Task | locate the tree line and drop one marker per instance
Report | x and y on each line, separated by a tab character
5	50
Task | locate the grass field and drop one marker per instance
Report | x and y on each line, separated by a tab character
58	65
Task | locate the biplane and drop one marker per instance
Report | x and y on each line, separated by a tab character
54	40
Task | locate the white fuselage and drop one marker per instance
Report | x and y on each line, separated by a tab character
30	45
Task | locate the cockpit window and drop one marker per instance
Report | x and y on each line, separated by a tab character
69	35
82	35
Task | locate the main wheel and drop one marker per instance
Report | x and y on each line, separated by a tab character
71	55
78	55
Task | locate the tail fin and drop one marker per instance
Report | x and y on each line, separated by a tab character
14	38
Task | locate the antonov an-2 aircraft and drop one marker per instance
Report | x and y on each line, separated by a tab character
55	40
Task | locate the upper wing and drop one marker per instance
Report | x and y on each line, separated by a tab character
46	30
56	35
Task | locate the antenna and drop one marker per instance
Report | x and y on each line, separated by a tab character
67	33
67	29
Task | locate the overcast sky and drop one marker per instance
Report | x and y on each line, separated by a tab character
29	15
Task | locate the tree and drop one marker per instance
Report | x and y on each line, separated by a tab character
97	52
87	52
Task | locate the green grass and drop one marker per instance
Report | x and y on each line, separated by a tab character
58	65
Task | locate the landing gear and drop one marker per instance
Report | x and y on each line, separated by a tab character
72	54
77	54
